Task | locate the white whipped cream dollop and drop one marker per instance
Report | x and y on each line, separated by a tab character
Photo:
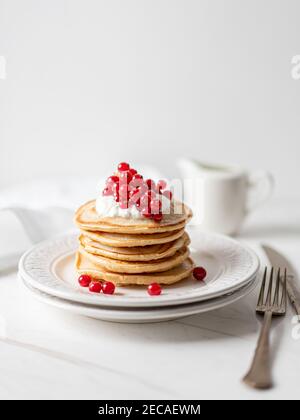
106	206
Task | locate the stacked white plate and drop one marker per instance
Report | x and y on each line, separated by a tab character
48	272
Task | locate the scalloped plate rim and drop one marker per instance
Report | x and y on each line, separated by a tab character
132	315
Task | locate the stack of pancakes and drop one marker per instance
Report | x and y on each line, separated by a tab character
128	251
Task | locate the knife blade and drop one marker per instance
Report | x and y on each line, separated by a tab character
293	287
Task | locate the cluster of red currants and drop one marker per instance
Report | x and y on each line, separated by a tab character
96	286
130	189
108	288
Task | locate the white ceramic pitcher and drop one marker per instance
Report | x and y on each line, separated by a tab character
222	196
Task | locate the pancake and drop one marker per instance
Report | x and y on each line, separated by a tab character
131	267
122	240
85	266
87	218
145	253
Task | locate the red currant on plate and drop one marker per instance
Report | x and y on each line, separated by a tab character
84	280
154	289
108	288
95	286
199	273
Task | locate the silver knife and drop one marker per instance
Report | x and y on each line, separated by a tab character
293	287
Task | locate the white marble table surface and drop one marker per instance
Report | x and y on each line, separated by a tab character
47	353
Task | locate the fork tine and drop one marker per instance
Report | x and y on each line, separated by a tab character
269	294
283	297
276	294
262	289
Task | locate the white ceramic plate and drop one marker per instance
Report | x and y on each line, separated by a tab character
49	267
140	315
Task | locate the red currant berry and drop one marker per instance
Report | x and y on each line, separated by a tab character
137	176
125	177
145	200
134	195
116	197
133	192
155	206
199	273
129	177
157	217
144	188
151	184
135	183
112	179
123	190
151	194
132	171
154	289
107	191
95	286
123	166
84	280
146	213
115	188
161	184
168	194
108	288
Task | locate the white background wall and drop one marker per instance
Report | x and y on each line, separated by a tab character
90	82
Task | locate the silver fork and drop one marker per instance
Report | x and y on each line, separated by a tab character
259	375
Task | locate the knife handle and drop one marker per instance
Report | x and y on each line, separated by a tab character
259	375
